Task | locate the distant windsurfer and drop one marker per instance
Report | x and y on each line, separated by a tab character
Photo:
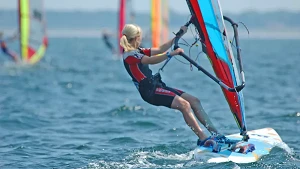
4	47
106	35
152	89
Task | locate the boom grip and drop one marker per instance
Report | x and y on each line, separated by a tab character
179	34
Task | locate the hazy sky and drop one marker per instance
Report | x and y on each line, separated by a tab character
235	6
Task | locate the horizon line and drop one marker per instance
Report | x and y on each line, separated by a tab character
146	12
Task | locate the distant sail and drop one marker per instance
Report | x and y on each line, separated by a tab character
130	13
159	22
126	16
155	22
164	21
122	16
32	29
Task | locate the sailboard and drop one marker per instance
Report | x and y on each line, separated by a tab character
264	140
32	30
245	146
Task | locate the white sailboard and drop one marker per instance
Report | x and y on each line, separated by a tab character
246	146
264	140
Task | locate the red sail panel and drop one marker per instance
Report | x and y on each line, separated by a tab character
221	66
122	14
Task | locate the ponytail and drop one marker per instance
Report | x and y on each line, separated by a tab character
130	32
125	44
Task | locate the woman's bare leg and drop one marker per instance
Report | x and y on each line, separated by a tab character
200	113
184	106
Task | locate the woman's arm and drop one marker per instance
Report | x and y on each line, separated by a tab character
163	48
154	59
159	58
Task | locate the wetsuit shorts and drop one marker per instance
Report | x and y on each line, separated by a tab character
160	95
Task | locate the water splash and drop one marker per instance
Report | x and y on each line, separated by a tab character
148	159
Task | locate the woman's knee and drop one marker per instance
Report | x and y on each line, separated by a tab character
194	100
184	105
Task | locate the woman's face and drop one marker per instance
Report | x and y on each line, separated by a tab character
139	39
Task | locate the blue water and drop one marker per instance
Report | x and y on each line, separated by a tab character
78	108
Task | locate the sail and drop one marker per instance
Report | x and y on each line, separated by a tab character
155	22
159	21
126	16
122	16
32	30
130	13
210	25
164	21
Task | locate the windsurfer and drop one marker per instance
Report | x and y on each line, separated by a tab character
152	89
4	48
106	35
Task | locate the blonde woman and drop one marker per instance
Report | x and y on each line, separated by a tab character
151	87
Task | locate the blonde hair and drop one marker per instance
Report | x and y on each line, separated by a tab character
130	31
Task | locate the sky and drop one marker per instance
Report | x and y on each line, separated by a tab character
233	6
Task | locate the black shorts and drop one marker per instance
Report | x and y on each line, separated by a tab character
162	95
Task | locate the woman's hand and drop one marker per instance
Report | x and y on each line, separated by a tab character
176	52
